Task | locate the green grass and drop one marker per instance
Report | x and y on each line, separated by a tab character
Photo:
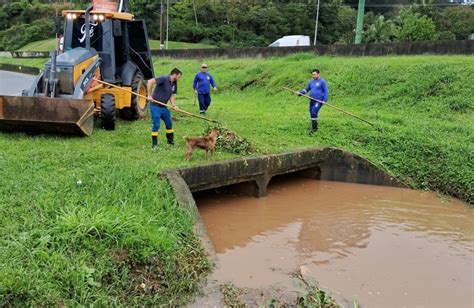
155	44
60	240
50	44
43	45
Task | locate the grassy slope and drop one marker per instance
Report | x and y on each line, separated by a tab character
50	44
59	239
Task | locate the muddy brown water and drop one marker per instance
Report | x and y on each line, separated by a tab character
380	246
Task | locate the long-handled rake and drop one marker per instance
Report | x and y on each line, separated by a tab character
332	106
158	102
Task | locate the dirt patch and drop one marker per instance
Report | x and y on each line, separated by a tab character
145	278
247	84
121	255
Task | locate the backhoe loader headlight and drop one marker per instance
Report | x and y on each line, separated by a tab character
69	16
95	17
101	17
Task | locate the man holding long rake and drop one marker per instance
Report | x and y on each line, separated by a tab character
164	91
319	91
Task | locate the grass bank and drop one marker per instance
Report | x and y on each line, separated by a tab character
50	44
87	221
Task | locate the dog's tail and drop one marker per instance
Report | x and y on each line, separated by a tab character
186	138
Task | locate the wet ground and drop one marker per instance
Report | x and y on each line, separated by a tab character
379	246
13	83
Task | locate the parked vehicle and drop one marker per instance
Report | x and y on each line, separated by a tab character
291	41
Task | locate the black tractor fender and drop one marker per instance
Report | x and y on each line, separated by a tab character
128	72
33	90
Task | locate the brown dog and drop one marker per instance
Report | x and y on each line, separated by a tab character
206	143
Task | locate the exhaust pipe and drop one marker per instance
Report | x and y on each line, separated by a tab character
53	81
88	34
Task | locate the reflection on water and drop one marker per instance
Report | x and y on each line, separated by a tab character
382	246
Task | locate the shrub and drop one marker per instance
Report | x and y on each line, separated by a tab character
20	35
416	27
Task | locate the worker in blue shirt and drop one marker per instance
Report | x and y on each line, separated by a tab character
317	89
202	88
163	89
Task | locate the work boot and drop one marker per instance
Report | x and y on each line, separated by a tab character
154	143
314	127
170	138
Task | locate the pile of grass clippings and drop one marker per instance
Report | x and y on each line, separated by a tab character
228	141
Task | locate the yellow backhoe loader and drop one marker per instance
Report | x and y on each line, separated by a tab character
106	45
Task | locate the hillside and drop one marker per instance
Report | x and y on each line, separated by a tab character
50	44
86	220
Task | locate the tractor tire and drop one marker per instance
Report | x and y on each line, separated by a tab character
107	111
139	105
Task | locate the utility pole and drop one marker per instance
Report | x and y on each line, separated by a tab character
167	21
360	21
316	25
162	20
195	12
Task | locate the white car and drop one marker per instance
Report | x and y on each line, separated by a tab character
291	41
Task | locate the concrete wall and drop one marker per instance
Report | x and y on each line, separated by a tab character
410	48
323	163
24	54
19	69
250	176
382	49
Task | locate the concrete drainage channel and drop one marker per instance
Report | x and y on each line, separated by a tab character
251	176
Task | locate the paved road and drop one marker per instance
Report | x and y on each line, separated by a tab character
13	83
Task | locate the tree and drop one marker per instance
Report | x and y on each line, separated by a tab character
458	20
20	35
381	31
346	25
150	11
416	27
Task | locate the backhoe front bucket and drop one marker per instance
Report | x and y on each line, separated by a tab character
46	115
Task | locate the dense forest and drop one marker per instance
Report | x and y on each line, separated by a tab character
258	23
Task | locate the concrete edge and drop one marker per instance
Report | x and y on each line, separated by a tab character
185	200
30	70
337	165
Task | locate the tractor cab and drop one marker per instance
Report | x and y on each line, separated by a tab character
109	34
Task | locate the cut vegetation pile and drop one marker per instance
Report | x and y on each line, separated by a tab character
86	220
228	141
